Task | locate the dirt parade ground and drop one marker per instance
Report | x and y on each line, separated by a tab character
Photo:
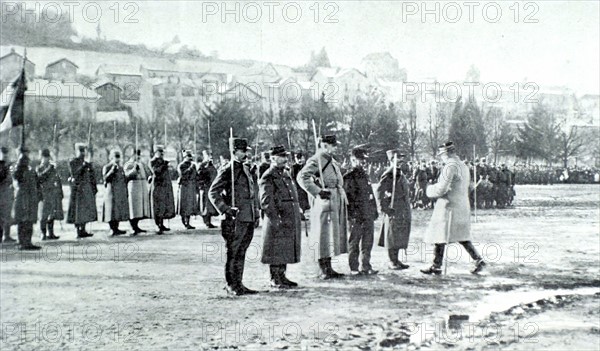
541	289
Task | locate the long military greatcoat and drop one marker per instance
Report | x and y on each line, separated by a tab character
82	201
6	193
282	222
50	208
452	213
395	231
206	174
186	193
328	218
245	199
137	174
27	195
116	205
162	201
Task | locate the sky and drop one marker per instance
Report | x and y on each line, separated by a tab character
561	47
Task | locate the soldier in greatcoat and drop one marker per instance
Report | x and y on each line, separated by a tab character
328	218
395	230
82	201
115	208
282	225
241	215
186	193
362	213
137	174
50	184
264	164
6	194
162	201
27	197
451	218
207	172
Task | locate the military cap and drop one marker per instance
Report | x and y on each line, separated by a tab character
360	153
159	148
278	150
81	146
115	153
138	152
187	153
267	154
4	149
446	147
330	139
483	159
390	154
239	144
24	149
45	153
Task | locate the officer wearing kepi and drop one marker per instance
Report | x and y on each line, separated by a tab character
241	213
282	226
137	174
186	194
115	208
27	197
51	205
82	201
161	190
362	212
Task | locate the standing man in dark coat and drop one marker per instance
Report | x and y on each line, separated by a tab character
51	188
116	205
27	197
186	194
162	201
241	216
395	231
82	201
265	164
302	195
207	172
362	213
6	194
282	226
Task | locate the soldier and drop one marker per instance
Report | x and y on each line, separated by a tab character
395	231
137	174
186	194
116	206
206	174
51	188
265	164
420	178
162	202
451	218
6	194
82	201
282	227
240	220
27	197
362	213
328	205
302	195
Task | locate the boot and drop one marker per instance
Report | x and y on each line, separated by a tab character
114	227
81	233
43	236
51	235
276	281
325	273
285	280
479	265
333	273
432	270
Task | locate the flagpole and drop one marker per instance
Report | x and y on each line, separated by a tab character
115	133
136	138
195	133
475	187
209	144
23	112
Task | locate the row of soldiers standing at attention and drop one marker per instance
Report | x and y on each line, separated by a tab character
338	203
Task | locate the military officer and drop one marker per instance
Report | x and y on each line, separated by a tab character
6	194
206	174
116	206
265	163
82	201
328	205
162	202
27	197
51	187
362	212
282	226
186	194
241	215
395	231
451	218
137	174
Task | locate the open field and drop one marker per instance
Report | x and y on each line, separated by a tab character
166	292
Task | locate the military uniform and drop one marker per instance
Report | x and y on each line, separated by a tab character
50	208
362	212
205	176
302	195
6	194
238	226
137	174
186	194
162	202
82	201
25	206
115	207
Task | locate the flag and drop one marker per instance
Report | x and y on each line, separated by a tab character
12	103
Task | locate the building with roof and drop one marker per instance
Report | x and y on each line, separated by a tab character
63	69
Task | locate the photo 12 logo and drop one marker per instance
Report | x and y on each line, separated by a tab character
54	12
471	11
271	11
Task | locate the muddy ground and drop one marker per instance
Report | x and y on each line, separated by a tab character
541	291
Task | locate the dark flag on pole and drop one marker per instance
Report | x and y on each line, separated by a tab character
12	103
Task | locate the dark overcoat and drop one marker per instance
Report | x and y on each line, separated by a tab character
162	201
27	195
206	174
187	190
395	231
82	201
50	208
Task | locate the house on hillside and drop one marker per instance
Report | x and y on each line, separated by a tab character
341	86
10	67
63	69
70	100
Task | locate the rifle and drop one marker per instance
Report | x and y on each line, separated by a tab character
395	174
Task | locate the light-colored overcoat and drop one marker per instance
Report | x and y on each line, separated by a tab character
137	174
115	206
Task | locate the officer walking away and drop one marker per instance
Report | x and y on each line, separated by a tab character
451	218
282	227
395	231
186	194
162	201
82	201
6	194
27	197
137	173
52	195
240	220
116	206
362	213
